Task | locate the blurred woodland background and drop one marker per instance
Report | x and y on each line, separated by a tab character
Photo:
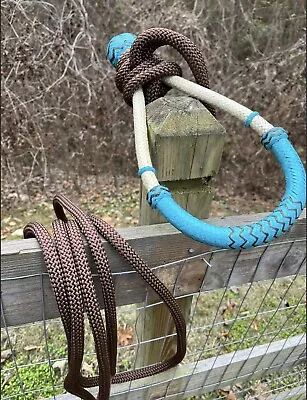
62	115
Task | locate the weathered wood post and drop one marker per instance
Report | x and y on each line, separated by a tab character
186	144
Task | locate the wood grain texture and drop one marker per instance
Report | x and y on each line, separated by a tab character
297	393
186	144
214	373
23	271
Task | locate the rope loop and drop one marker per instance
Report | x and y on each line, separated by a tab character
148	74
71	280
139	66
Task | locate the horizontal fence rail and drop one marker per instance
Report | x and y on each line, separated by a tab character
23	271
215	372
189	269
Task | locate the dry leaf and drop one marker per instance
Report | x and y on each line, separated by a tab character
125	335
231	396
260	388
234	290
255	325
18	232
108	219
87	369
224	334
32	347
223	392
226	392
6	355
61	364
229	307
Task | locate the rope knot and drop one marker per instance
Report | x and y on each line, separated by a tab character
139	66
148	74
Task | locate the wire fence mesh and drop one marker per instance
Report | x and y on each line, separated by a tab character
245	341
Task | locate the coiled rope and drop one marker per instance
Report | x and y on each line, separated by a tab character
70	276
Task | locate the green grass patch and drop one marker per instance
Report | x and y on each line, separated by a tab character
34	381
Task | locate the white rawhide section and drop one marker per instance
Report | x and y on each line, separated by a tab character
141	139
149	179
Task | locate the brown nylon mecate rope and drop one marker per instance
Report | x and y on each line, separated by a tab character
70	276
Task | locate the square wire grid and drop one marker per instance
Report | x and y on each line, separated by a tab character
223	321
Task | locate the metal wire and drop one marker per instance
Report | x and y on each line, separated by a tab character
292	312
11	348
262	301
212	346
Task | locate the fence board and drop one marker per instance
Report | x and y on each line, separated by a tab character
186	144
213	373
298	393
24	275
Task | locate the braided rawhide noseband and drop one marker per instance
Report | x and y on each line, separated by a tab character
139	66
127	51
71	280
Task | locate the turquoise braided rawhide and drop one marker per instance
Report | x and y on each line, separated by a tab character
256	234
145	169
118	45
249	119
156	194
272	136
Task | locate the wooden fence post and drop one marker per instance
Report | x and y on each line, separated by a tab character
186	144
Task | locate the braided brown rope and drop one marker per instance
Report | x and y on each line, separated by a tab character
71	280
140	67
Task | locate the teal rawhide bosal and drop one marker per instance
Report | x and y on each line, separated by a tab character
274	139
